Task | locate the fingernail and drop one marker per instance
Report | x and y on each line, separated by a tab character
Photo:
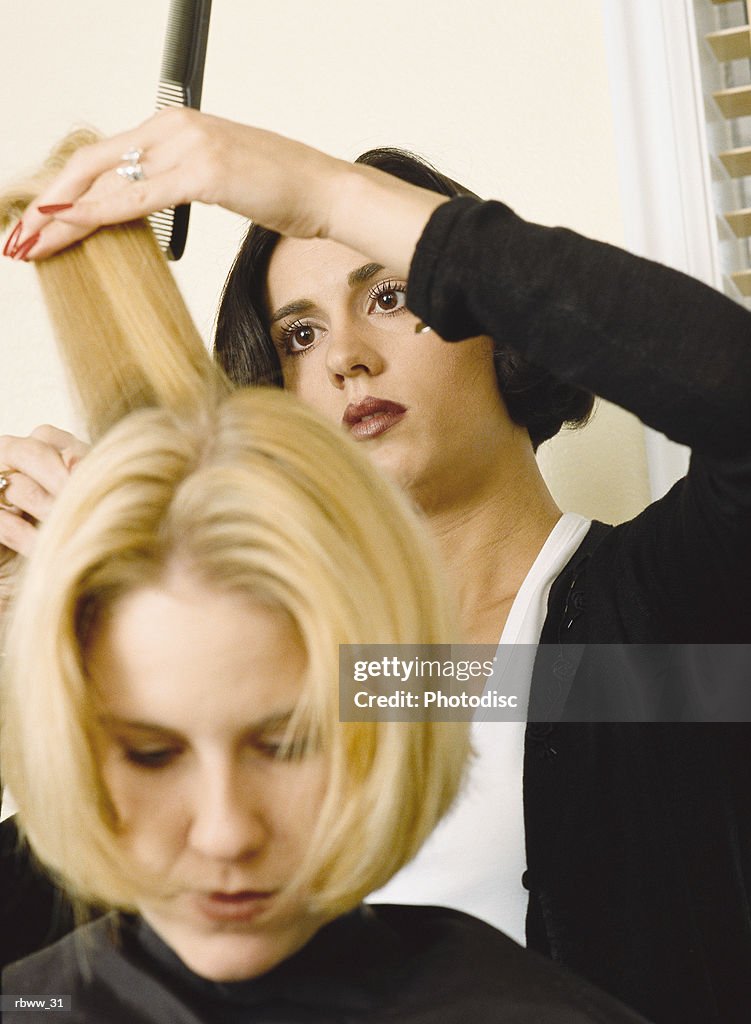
10	244
22	251
54	208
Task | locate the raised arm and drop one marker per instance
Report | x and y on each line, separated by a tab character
647	337
188	156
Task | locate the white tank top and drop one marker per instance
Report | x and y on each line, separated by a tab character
475	859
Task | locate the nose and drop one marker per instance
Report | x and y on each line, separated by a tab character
352	351
228	821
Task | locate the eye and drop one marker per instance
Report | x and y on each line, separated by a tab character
280	751
388	297
299	337
283	749
146	758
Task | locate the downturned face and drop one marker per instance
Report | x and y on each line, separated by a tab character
197	687
428	412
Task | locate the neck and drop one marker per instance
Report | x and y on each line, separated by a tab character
489	538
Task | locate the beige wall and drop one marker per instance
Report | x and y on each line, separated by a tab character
511	98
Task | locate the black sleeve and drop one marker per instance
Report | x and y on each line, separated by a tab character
648	338
655	341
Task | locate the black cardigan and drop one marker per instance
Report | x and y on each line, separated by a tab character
638	836
380	965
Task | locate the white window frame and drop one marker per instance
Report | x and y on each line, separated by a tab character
663	158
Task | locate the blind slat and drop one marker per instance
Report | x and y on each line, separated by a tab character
737	162
731	43
740	222
742	281
735	102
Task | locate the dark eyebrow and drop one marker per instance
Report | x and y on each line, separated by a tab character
292	309
363	274
300	306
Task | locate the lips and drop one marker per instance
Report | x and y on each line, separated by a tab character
372	417
233	906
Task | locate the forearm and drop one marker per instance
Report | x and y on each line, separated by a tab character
379	215
282	184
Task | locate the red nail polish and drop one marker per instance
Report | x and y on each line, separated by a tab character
10	244
21	251
54	208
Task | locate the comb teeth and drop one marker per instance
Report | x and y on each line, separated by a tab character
170	94
179	41
161	224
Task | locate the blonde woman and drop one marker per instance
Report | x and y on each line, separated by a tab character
171	734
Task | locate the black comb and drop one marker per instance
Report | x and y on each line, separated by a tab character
180	85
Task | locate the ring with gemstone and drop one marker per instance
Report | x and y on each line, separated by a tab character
132	169
5	476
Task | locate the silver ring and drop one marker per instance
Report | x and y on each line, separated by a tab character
131	172
132	169
5	476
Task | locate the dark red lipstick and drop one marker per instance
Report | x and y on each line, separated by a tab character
372	417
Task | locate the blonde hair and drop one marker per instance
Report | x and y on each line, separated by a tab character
251	492
258	496
123	329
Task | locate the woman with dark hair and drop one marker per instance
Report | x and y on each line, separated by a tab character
535	398
632	840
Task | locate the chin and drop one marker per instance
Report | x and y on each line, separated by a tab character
233	957
231	953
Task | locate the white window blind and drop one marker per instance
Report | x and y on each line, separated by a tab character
723	40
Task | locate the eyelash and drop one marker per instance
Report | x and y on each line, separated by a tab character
383	288
287	335
288	331
283	751
154	760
